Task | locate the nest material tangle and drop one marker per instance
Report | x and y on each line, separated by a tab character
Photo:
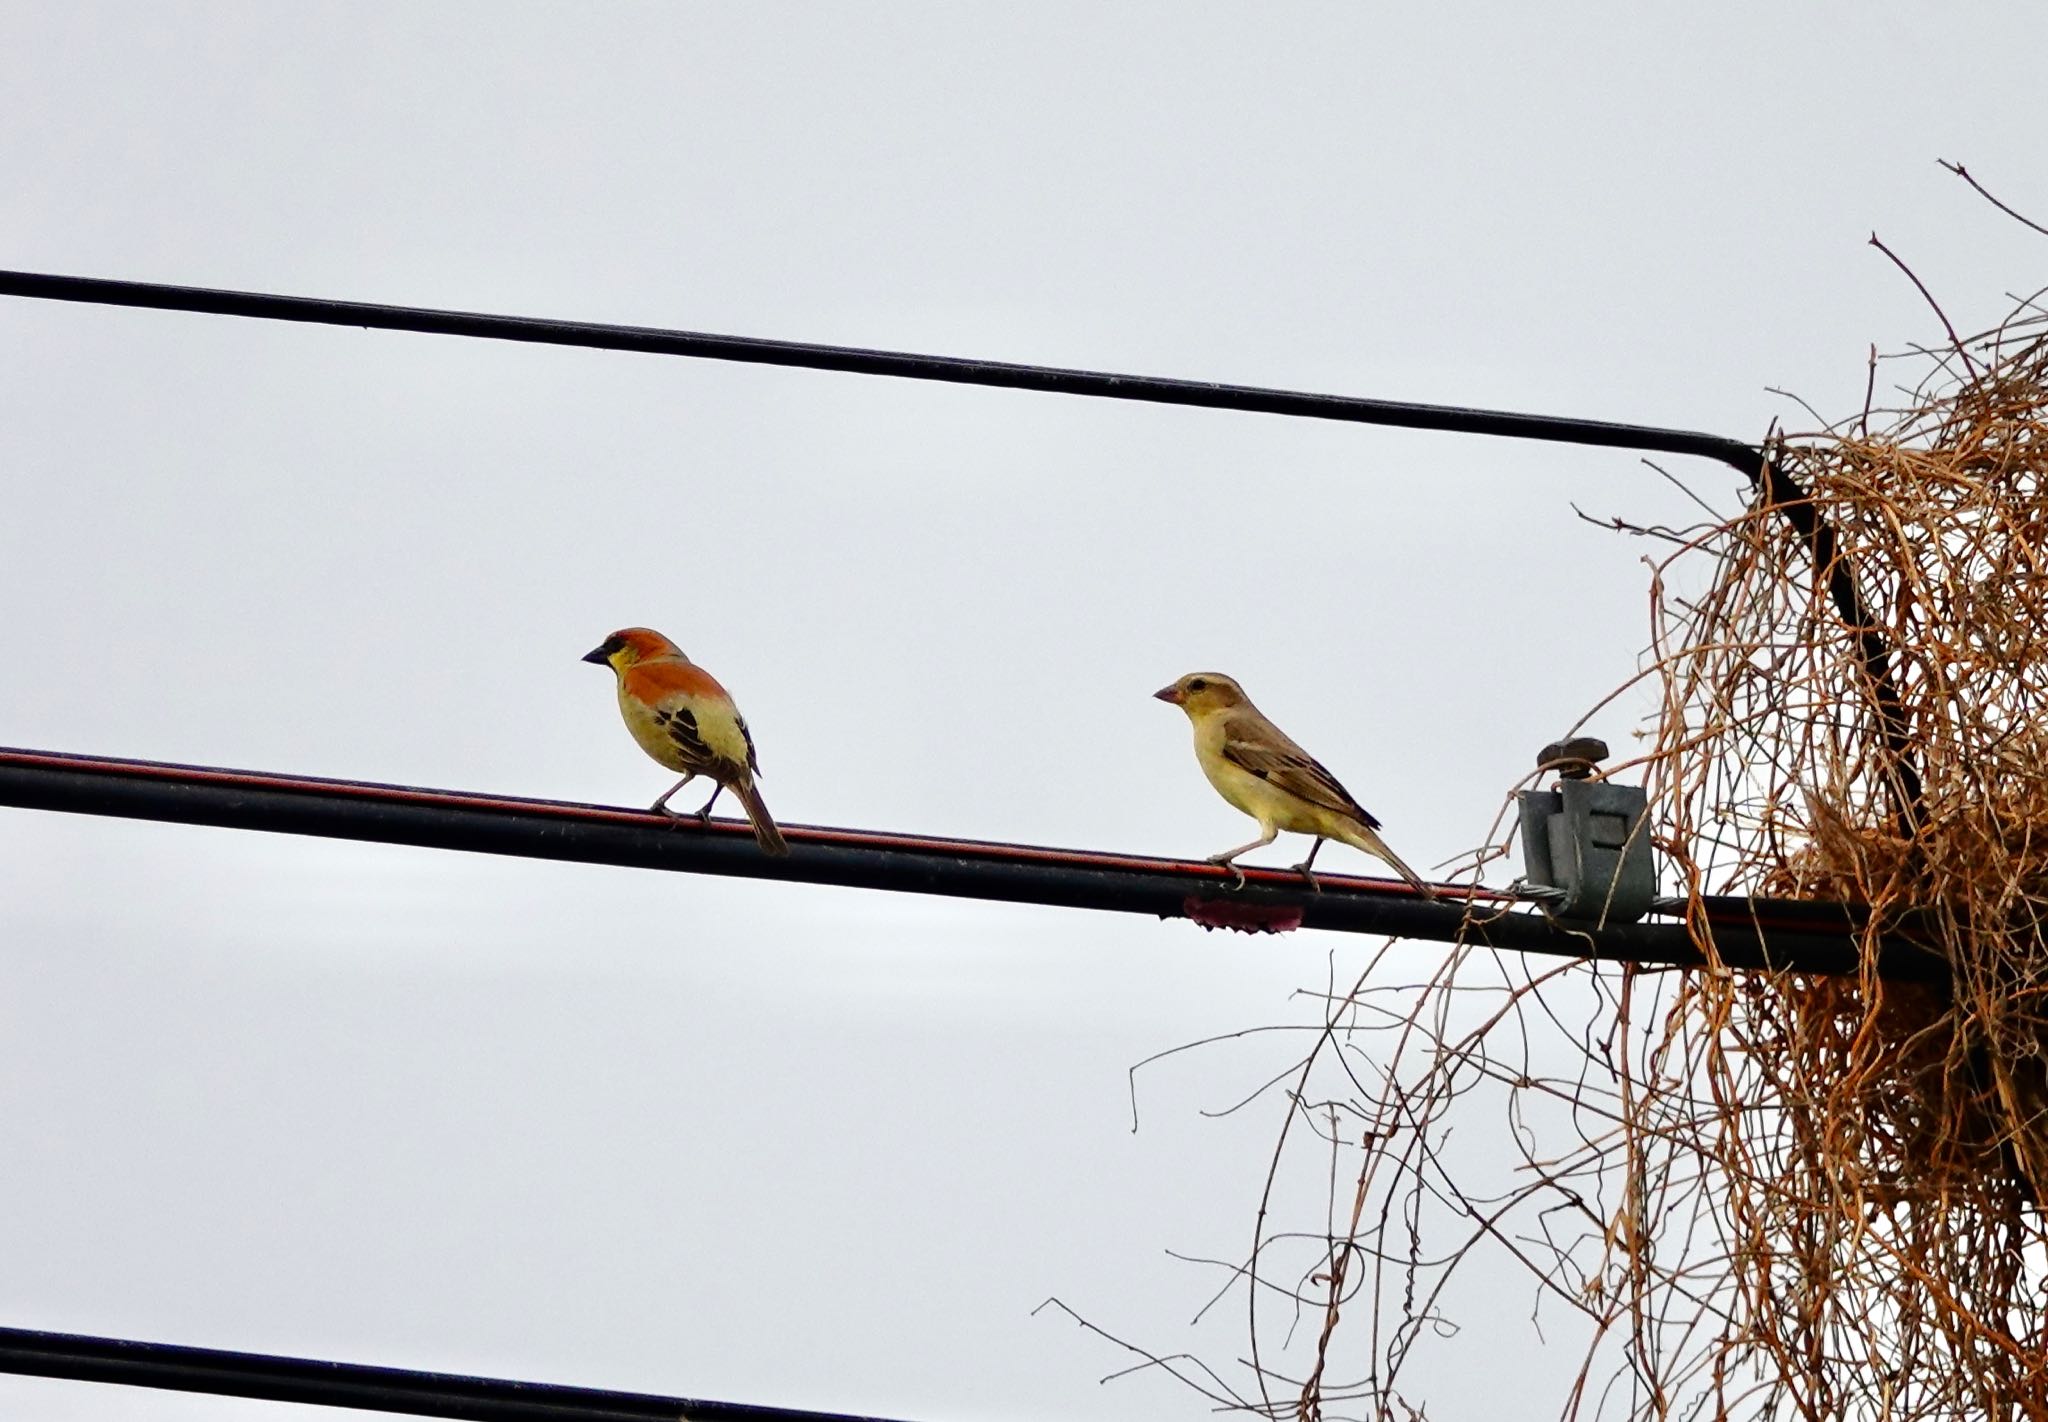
1876	1152
1766	1195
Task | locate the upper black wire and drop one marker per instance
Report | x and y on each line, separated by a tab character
1159	390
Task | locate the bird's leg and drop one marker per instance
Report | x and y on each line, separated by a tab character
1307	866
1228	855
704	815
660	807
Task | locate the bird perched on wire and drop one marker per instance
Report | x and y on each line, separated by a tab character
682	717
1254	766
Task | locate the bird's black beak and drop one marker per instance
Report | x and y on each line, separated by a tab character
1172	695
597	655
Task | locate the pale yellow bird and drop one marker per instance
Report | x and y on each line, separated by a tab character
683	718
1254	766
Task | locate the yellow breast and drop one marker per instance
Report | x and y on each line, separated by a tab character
652	734
1262	800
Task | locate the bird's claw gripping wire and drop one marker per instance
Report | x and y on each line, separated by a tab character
1315	885
1236	874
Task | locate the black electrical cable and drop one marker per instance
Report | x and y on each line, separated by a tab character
305	1380
1746	933
857	360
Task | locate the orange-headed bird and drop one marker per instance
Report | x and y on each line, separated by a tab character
683	718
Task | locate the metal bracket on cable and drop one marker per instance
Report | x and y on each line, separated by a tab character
1586	844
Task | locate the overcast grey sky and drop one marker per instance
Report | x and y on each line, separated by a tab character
804	1146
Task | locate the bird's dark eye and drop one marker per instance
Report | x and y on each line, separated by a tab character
1198	685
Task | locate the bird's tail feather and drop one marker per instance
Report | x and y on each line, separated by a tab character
765	832
1371	843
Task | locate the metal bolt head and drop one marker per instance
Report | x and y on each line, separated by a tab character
1574	759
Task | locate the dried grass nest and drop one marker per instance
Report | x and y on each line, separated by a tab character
1877	1151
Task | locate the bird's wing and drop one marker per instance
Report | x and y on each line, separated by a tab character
679	721
1264	749
694	711
753	758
